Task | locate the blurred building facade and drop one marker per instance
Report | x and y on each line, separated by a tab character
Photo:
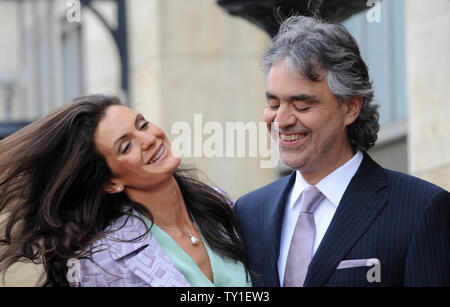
189	57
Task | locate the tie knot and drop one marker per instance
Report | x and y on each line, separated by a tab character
311	198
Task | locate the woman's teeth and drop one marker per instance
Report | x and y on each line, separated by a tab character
158	155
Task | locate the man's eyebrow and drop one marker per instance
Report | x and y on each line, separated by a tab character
139	116
304	97
300	97
269	95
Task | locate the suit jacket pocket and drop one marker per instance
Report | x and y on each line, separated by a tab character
349	277
352	273
352	263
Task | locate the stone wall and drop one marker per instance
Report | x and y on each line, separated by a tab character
428	67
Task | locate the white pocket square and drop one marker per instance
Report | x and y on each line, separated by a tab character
355	263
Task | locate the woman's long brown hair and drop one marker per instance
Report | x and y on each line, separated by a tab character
52	200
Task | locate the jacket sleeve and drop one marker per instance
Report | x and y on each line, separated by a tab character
428	257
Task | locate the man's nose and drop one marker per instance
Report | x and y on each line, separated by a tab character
285	116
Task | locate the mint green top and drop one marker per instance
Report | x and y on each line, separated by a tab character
226	272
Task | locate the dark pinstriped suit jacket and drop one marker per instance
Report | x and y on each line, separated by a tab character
399	219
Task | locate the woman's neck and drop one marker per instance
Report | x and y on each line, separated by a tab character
166	203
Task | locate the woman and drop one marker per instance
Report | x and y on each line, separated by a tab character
94	192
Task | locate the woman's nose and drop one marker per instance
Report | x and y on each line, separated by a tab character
146	140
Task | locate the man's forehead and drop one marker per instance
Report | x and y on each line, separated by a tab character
299	70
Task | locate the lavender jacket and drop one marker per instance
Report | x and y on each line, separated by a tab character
141	263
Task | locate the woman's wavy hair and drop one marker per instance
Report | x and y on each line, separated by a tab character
311	46
52	202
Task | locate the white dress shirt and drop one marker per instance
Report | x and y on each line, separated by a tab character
333	187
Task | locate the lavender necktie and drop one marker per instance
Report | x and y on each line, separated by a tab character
300	251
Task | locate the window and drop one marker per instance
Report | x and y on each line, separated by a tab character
72	63
382	45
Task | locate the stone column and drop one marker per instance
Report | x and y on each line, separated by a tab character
428	67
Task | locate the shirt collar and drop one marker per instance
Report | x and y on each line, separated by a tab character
332	186
299	186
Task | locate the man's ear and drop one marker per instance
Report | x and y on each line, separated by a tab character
353	107
113	186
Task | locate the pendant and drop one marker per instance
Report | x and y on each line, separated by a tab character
194	239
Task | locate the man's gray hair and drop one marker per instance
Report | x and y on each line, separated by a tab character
309	47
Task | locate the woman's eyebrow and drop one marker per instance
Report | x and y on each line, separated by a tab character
139	116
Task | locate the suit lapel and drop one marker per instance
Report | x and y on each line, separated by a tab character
359	206
144	257
155	267
273	215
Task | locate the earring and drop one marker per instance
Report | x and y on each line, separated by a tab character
119	189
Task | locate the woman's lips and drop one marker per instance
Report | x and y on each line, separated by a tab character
157	155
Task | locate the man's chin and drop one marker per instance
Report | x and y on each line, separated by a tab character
294	164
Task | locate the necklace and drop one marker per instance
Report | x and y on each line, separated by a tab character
194	239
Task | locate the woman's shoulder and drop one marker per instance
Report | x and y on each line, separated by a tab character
128	255
124	235
102	260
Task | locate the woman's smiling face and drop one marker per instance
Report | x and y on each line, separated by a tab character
137	151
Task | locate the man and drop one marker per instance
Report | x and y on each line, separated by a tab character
339	219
